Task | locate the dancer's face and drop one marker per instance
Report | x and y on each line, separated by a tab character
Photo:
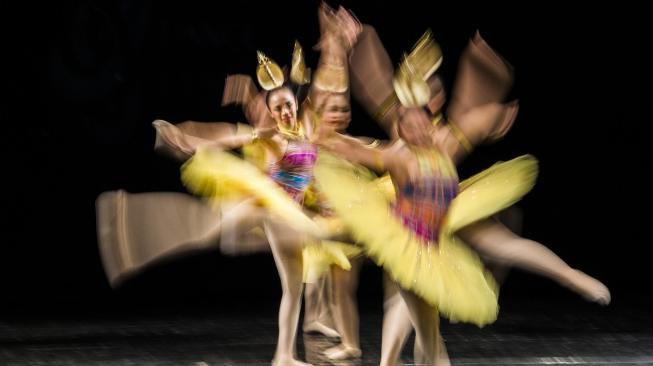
283	107
415	127
337	112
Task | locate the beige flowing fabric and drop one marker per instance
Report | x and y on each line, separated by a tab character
136	230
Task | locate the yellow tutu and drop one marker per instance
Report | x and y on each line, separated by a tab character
499	186
491	191
449	276
320	256
220	175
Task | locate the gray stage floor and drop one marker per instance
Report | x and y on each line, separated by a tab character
528	332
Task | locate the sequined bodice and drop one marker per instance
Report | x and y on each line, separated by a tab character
422	204
294	171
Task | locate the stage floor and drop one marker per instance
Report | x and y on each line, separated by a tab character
528	332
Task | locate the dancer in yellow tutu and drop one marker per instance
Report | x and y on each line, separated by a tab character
413	238
332	112
288	157
331	298
183	139
334	115
477	115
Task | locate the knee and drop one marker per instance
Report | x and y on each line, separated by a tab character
293	289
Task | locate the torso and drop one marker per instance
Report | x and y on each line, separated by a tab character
424	196
294	170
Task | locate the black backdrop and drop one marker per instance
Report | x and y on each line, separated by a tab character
83	80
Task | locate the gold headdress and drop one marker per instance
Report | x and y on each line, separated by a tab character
332	78
299	73
410	79
270	75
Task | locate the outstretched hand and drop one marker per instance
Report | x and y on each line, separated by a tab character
341	26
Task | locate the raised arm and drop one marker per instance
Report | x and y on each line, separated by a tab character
183	139
376	158
477	113
338	34
240	89
371	73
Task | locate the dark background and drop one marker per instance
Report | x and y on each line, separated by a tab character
83	80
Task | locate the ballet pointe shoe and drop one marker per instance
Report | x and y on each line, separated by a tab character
342	352
317	327
589	287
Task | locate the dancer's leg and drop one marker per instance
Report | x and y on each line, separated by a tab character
288	259
316	304
396	323
494	241
345	310
426	320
